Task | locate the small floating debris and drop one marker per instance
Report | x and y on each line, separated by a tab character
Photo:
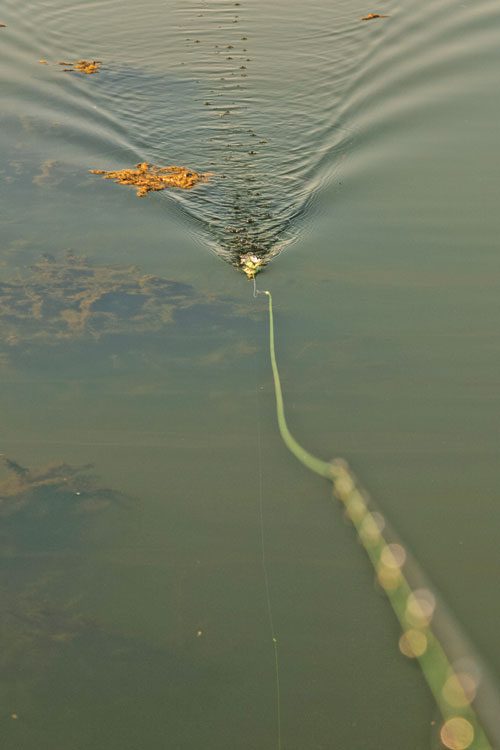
3	25
82	66
89	67
372	16
251	265
148	177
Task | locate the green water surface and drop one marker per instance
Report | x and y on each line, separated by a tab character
362	156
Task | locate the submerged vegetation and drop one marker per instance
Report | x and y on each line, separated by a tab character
34	629
47	513
35	491
70	303
48	500
72	298
149	177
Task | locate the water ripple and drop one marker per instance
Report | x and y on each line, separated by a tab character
268	98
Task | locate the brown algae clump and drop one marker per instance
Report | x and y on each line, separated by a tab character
148	177
82	66
373	16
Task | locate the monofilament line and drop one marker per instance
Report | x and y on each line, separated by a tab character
266	578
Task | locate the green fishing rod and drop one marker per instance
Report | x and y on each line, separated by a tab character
454	689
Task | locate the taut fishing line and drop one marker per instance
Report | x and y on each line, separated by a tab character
265	574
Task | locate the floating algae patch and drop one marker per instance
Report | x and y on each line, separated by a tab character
373	16
148	178
89	67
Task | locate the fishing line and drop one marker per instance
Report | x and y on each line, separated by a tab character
453	675
323	468
267	588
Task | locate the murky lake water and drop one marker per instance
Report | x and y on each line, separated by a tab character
364	157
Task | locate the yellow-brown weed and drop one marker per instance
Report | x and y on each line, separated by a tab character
148	177
82	66
372	16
